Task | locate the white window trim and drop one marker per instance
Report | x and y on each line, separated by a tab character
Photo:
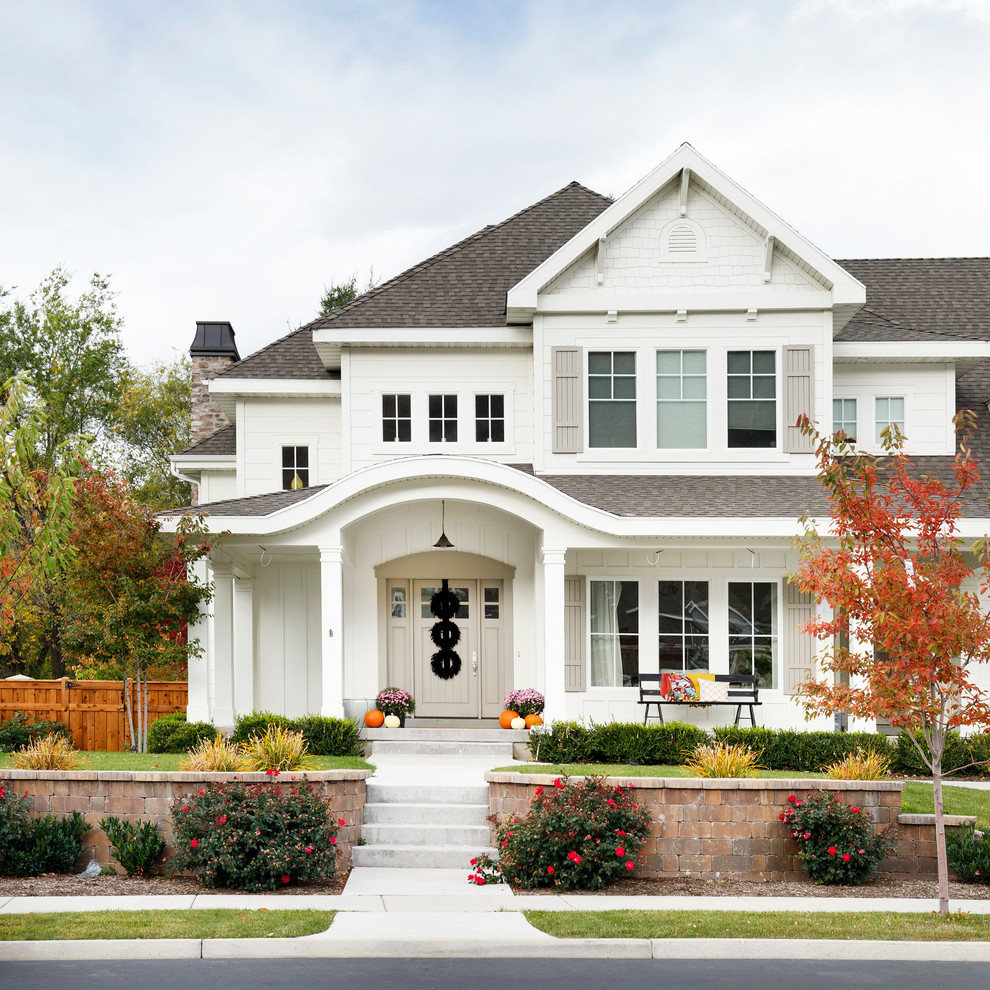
670	453
778	367
756	579
711	581
601	690
310	440
616	453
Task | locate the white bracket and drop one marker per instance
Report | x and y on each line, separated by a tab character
682	316
600	262
751	315
612	316
685	179
767	257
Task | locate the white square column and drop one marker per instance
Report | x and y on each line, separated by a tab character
222	707
553	634
243	645
198	669
332	629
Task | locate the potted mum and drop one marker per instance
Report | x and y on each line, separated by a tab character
395	701
525	701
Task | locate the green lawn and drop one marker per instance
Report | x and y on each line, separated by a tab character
208	923
625	770
762	924
99	760
917	800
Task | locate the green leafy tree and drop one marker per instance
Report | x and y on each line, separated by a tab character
341	293
73	356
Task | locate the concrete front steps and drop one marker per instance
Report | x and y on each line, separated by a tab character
434	742
420	826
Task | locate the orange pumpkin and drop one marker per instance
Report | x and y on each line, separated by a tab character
532	720
505	719
374	719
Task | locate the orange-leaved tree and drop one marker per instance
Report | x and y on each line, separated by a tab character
904	621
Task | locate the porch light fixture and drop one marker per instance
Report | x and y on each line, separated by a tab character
443	543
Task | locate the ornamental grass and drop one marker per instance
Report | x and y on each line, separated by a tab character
870	765
720	760
54	752
278	749
216	755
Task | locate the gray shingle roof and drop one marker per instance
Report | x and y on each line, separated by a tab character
223	442
291	356
251	505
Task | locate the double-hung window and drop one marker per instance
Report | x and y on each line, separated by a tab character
396	418
295	467
753	630
844	417
683	614
614	633
752	398
443	418
682	399
890	412
612	399
489	418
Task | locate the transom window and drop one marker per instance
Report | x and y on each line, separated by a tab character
683	614
752	398
612	399
295	467
489	418
443	418
463	596
614	633
682	393
753	630
844	417
890	412
396	418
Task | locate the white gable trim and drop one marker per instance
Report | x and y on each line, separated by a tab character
847	292
965	355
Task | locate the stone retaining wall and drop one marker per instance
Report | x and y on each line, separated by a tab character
148	796
723	828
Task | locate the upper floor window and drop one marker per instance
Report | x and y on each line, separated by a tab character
614	633
682	393
890	412
396	418
612	399
683	612
443	418
844	417
489	418
752	398
753	630
295	467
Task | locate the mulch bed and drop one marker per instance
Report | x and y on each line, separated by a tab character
53	885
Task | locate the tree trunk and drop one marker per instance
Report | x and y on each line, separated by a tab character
128	709
144	740
943	864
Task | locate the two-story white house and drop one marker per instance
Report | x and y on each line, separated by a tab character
593	403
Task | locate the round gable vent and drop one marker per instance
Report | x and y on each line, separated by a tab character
682	240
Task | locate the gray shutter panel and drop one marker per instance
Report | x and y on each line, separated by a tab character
575	668
568	399
799	647
799	394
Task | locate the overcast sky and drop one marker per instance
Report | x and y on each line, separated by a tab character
226	160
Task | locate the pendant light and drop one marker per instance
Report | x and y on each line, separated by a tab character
443	543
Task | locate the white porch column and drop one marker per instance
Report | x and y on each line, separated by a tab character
198	673
223	641
553	633
243	645
332	631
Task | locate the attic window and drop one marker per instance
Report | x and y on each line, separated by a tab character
682	240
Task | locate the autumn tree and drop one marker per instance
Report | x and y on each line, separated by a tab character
905	622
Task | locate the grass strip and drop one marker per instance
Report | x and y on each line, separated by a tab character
917	799
208	923
627	770
100	760
867	925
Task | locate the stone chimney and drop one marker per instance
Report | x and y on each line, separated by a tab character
213	350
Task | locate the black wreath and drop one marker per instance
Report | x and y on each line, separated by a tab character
445	663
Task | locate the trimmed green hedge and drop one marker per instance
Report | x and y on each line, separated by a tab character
173	734
790	749
669	744
324	736
960	752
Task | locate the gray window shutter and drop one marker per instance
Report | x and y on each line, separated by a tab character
568	399
799	647
799	393
575	668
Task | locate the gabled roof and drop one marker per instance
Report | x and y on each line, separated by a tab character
291	356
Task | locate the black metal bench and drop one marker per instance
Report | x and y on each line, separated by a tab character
745	695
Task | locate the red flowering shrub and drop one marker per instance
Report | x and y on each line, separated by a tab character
255	836
577	836
836	843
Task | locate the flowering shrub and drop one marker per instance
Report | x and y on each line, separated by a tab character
577	836
395	701
836	843
526	701
255	836
485	869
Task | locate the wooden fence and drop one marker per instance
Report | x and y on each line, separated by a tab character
93	711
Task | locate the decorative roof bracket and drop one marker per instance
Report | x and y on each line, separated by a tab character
767	257
685	179
600	261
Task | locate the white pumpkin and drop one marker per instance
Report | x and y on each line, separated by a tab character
517	723
392	722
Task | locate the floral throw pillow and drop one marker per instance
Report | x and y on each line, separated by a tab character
680	688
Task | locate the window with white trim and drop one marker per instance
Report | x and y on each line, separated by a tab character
612	399
889	412
443	418
489	418
614	633
683	609
295	468
397	418
682	399
844	417
753	630
752	398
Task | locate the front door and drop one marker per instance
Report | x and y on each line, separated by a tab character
437	696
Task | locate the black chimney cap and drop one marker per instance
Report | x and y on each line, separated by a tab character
214	338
